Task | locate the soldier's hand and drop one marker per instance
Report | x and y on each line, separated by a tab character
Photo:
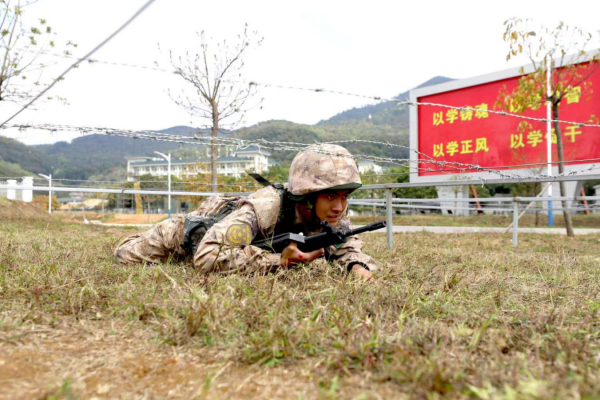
292	255
361	272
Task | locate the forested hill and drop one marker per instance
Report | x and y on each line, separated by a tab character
17	159
383	113
285	131
93	154
83	157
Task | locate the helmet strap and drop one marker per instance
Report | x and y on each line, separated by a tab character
309	203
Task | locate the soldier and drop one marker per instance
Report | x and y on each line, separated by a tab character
320	181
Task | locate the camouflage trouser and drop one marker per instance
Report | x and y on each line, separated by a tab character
164	239
156	245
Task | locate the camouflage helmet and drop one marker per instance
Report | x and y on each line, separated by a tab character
318	168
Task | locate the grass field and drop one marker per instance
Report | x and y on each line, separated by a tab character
449	316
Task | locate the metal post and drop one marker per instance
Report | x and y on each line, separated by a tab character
389	220
549	134
168	158
515	227
50	194
169	172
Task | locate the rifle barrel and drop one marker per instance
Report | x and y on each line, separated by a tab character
371	227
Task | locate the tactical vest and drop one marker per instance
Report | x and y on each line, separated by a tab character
195	226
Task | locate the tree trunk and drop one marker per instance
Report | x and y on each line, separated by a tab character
213	147
561	170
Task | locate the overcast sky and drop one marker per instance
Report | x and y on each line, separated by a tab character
379	48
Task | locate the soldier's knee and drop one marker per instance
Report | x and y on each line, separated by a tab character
123	252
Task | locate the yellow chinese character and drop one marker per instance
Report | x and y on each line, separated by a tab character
553	139
451	148
467	147
534	138
572	131
438	118
438	150
466	115
481	111
516	141
451	115
573	95
481	145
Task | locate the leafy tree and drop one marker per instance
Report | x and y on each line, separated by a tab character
215	97
277	174
428	192
42	202
20	48
564	50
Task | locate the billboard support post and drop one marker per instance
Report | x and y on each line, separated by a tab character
549	134
515	228
389	218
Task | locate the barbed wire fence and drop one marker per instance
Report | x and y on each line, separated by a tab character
443	166
446	166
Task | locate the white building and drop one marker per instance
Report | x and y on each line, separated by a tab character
365	166
18	194
251	158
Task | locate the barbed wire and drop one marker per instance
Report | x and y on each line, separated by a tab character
74	65
495	166
91	181
338	92
297	146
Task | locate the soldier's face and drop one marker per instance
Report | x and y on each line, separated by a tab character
330	206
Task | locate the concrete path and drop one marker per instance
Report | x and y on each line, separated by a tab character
436	229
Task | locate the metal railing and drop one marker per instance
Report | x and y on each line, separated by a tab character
389	202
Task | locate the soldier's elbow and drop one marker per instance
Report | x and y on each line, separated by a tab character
205	262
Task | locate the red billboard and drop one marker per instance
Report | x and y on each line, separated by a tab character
498	141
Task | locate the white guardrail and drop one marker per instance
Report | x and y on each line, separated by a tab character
389	202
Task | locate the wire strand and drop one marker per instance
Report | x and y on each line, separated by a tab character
75	64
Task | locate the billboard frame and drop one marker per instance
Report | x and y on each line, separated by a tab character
415	94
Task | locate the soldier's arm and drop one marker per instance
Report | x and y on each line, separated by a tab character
350	254
226	246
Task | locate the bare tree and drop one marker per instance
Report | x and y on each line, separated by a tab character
21	46
563	50
218	95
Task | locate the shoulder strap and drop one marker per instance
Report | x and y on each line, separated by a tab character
287	211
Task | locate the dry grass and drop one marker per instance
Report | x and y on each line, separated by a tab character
456	316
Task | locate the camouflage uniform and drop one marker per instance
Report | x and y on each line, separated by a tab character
226	246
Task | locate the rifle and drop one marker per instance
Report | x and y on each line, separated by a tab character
330	237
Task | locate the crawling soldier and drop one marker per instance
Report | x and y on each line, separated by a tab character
320	181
